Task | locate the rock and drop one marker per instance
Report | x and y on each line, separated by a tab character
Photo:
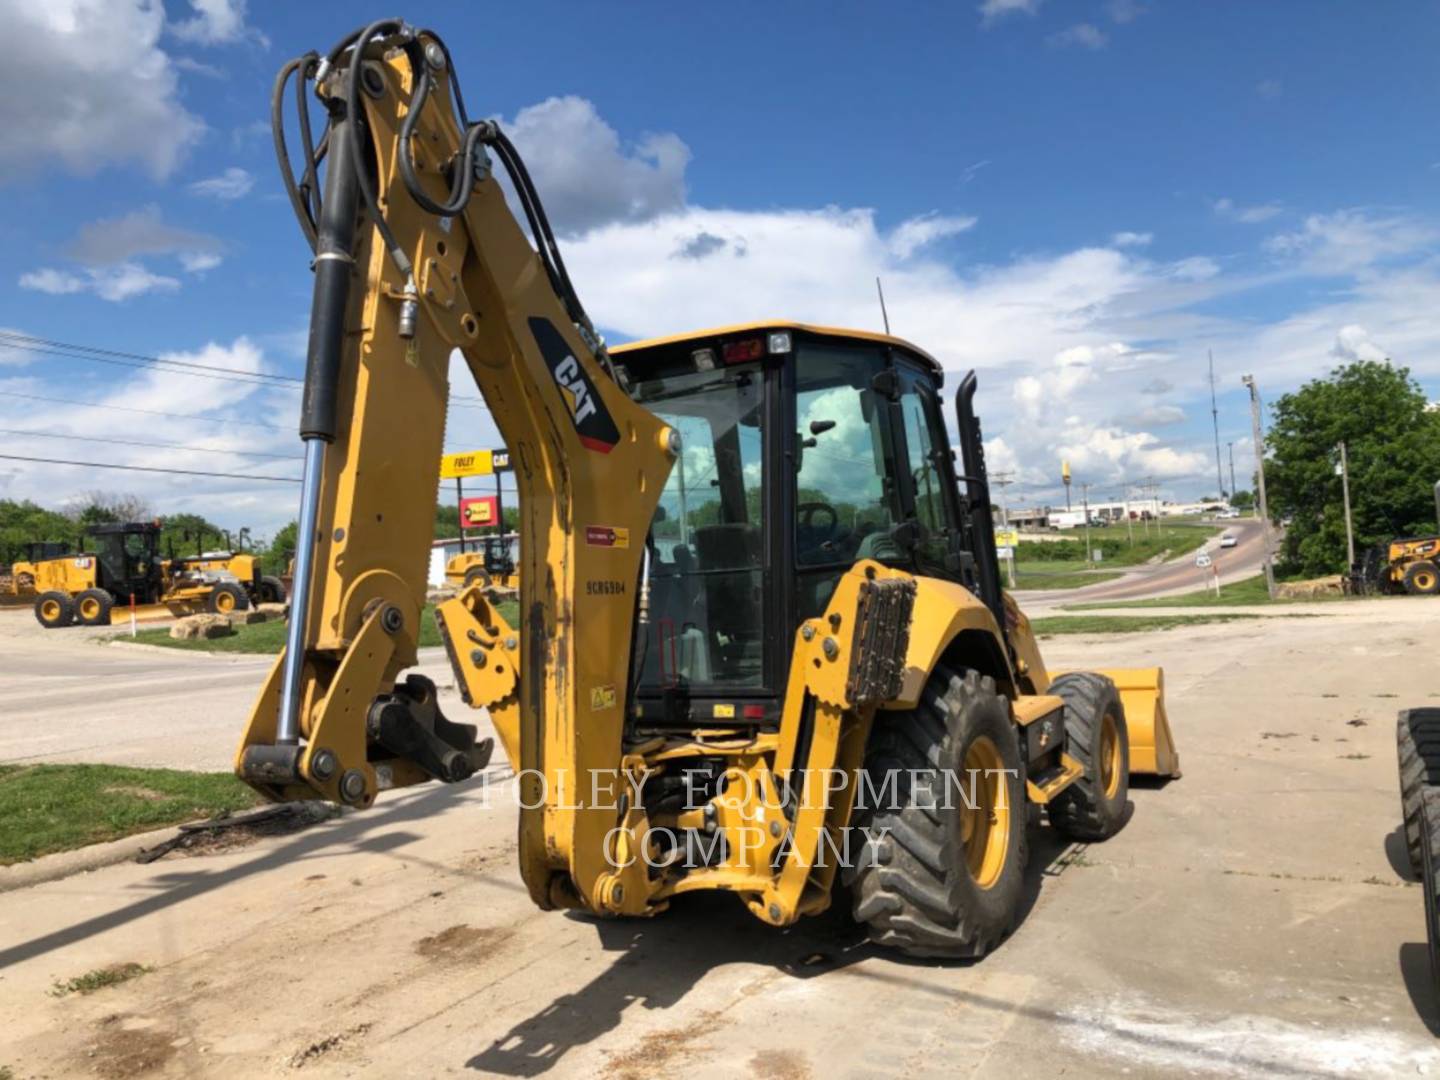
440	595
197	627
1302	590
249	617
273	611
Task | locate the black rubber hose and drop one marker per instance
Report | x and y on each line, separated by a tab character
282	152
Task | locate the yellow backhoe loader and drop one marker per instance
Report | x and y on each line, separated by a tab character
493	562
762	641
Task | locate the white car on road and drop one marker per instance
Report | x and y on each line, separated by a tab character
1228	540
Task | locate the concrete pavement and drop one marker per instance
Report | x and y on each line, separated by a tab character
1250	919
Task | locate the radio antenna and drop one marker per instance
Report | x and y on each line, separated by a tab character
883	313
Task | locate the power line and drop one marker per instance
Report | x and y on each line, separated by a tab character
146	412
13	340
149	468
243	378
151	445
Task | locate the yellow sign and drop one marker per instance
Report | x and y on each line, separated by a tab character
1065	471
473	463
1007	537
602	697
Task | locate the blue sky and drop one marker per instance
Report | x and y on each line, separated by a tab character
1078	198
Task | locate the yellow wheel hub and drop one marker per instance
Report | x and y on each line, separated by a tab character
1110	764
50	609
1425	581
985	813
89	608
225	603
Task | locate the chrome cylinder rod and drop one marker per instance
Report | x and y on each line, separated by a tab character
287	730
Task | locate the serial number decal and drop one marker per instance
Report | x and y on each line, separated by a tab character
604	588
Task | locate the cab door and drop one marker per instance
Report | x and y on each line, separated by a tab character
927	482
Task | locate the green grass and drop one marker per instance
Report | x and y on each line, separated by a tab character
1058	574
99	979
48	808
1125	624
269	637
1247	593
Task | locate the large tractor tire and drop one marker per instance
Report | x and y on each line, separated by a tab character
226	598
92	607
941	867
477	575
1422	578
1429	869
54	610
272	590
1417	745
1094	806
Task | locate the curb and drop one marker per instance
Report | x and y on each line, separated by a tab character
65	864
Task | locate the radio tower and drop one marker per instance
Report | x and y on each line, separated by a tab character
1215	416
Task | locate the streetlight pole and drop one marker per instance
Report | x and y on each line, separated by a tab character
1085	505
1233	488
1249	381
1345	490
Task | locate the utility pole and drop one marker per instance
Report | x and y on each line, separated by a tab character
1085	504
1249	381
1345	490
1215	416
1129	521
1002	481
1233	488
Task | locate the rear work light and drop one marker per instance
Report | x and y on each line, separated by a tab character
779	342
704	359
738	352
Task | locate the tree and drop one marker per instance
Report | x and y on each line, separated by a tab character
25	523
102	507
275	557
1393	444
1242	500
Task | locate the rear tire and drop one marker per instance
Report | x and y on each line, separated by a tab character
226	598
1429	882
272	590
1417	742
92	607
1422	578
477	575
54	610
1094	806
935	876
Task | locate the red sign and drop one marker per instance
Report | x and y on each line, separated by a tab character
479	512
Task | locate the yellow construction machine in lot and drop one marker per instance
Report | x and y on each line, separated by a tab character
121	564
493	562
763	644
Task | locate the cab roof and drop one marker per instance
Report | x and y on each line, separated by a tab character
708	336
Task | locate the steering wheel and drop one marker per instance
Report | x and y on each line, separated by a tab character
827	531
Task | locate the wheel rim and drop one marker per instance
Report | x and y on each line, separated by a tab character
224	603
1426	582
1109	757
985	813
89	608
50	609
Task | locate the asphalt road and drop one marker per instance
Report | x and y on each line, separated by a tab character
1172	578
1251	918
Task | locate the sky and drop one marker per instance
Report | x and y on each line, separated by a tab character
1080	199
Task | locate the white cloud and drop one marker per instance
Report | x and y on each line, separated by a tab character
1081	36
216	22
910	236
196	262
233	183
138	233
1351	240
1246	215
1153	416
998	9
1123	11
89	88
122	281
586	176
1353	343
1131	239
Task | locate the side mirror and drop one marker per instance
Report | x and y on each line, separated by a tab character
819	427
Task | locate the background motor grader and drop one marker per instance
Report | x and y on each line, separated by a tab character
762	640
121	561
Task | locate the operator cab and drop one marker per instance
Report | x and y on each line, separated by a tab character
129	560
803	450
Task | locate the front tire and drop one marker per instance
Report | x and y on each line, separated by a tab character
941	869
272	590
477	575
92	607
1417	741
226	598
1422	578
1094	806
54	610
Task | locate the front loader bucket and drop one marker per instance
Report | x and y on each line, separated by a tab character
1152	746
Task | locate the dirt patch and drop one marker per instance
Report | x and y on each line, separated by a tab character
660	1051
780	1065
461	943
228	832
328	1045
120	1053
